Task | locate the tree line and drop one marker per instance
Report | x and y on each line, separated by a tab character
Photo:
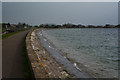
68	25
7	27
22	26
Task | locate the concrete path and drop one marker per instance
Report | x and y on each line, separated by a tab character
12	66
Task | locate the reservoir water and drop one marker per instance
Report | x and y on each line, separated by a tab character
93	50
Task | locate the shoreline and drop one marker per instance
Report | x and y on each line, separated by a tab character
73	70
78	65
43	64
47	51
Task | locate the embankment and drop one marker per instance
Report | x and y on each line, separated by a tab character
42	63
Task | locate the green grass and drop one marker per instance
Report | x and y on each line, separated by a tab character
27	71
0	37
10	34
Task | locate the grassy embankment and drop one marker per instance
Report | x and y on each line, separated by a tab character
10	34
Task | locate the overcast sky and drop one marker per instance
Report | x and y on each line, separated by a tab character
60	0
35	13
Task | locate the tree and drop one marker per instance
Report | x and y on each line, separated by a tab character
36	26
107	26
118	26
58	26
91	26
8	25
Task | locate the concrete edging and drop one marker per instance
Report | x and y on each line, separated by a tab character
42	64
30	52
33	58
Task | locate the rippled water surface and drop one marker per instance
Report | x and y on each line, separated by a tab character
94	48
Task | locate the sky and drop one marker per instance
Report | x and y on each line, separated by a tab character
59	0
119	13
0	12
36	13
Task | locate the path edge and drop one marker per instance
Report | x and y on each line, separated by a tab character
30	53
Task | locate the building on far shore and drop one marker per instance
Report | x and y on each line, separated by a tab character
25	27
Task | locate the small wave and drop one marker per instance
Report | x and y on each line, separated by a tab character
75	64
50	47
45	40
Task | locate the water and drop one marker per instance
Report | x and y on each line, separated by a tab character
95	50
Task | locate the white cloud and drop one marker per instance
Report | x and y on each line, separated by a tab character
60	0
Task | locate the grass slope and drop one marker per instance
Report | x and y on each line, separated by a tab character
9	34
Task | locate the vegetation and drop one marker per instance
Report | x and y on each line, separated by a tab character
10	29
9	34
68	25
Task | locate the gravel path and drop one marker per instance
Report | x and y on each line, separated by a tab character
12	66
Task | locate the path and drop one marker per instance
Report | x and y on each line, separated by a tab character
12	66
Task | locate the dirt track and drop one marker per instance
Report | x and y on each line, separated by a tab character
12	66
